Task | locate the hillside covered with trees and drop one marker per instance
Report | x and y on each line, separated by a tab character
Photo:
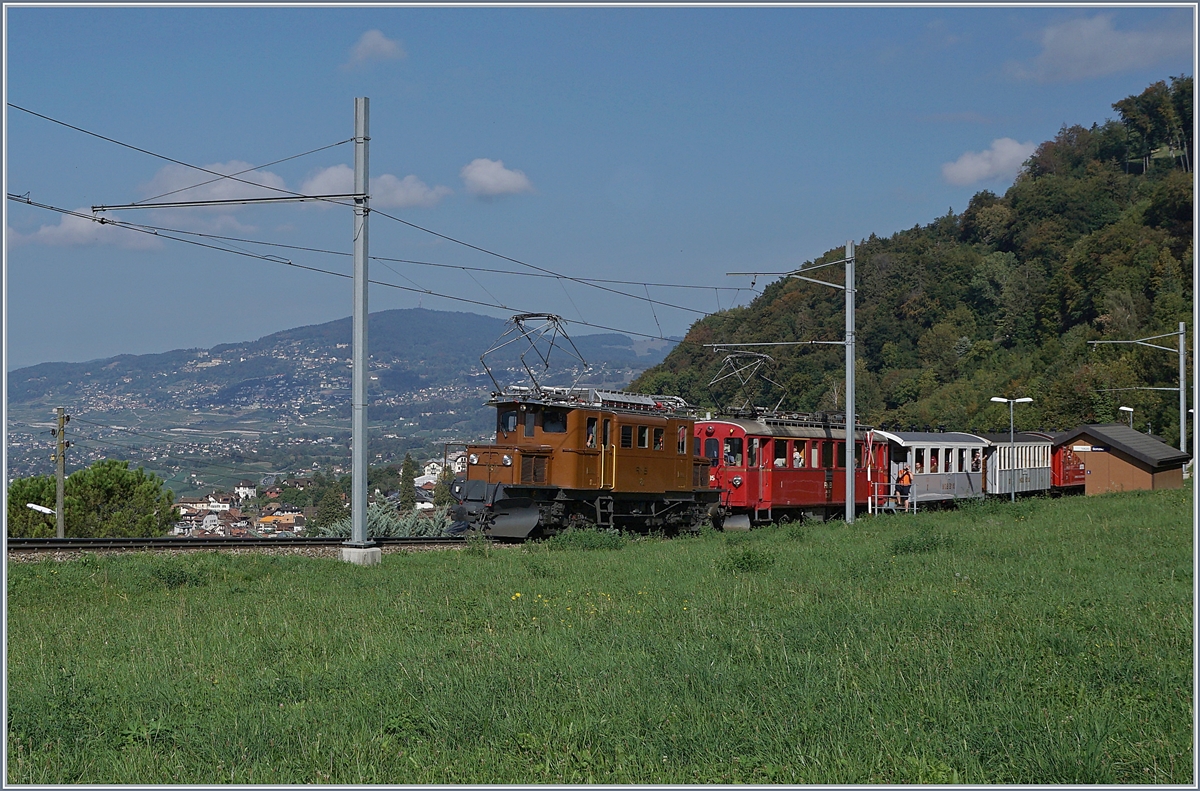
1093	241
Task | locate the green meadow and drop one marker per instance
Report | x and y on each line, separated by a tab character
1048	641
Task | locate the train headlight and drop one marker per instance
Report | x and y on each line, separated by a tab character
507	460
473	458
736	480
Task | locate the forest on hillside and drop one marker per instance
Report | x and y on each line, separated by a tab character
1093	241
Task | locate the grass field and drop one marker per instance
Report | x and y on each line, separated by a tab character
1048	641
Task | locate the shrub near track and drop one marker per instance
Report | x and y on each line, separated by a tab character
1043	642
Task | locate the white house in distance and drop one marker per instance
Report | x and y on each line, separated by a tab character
245	490
433	468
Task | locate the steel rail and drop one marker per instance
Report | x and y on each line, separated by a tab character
208	542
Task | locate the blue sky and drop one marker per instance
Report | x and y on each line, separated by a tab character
669	145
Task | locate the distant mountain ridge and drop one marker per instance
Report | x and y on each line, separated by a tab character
410	348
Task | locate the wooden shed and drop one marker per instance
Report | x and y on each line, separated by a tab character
1118	459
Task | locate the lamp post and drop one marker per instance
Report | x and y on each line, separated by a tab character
1128	409
1012	441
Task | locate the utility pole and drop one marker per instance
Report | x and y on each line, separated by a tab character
850	421
360	549
60	459
1182	387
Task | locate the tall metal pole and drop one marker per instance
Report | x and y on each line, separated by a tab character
61	459
1012	455
1182	387
850	469
358	491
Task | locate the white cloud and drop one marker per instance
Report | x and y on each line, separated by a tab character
336	180
387	191
1002	160
180	181
1081	48
74	231
487	178
373	46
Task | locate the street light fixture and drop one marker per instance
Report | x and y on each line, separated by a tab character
40	508
1012	442
1128	409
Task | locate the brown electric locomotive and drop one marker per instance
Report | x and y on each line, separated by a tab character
582	456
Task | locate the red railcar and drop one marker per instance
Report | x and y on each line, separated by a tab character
785	468
1066	469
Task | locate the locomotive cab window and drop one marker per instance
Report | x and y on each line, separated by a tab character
798	448
507	421
554	421
752	452
530	422
733	451
695	446
643	436
604	437
626	436
712	450
591	432
681	440
658	439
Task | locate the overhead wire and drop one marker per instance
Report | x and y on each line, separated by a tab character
164	156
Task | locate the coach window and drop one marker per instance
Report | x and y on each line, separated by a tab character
948	466
508	421
827	455
530	422
591	432
712	450
975	460
962	460
920	468
781	454
858	451
643	436
799	455
626	436
554	421
840	454
733	451
934	454
658	439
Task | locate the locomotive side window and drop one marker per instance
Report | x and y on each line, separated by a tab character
530	422
733	451
712	449
681	440
658	439
507	421
827	455
643	436
780	452
591	432
554	421
752	452
626	436
604	437
696	446
841	454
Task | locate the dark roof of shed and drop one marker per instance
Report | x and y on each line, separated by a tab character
1142	447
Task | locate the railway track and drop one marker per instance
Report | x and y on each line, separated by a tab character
209	543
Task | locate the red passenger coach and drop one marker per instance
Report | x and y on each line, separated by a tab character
779	469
